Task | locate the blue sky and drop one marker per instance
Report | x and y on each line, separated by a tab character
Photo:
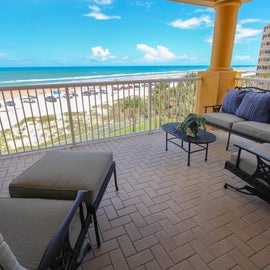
120	32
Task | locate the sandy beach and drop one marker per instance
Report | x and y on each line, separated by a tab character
102	95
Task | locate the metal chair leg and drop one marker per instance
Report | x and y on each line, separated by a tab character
96	228
241	189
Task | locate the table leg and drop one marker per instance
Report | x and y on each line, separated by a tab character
188	153
206	151
166	141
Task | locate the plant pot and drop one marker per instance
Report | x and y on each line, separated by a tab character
191	133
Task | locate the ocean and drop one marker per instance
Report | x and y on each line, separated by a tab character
14	76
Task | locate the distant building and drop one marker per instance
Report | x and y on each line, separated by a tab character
263	66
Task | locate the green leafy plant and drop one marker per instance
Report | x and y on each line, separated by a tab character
192	123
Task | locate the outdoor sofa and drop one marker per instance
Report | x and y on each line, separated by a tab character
43	233
244	112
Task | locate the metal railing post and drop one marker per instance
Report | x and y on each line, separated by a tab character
70	118
149	108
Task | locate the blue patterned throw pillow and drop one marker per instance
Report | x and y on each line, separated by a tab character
232	100
255	107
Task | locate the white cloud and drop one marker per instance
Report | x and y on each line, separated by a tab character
243	34
159	54
183	57
146	4
195	22
246	34
203	10
95	12
100	54
103	2
249	21
209	39
243	57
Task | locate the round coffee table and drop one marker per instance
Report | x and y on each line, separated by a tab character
202	140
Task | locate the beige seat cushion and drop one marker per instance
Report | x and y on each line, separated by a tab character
60	174
222	119
7	257
257	130
27	226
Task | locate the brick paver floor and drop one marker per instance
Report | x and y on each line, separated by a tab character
167	215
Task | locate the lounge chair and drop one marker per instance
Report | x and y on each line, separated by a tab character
43	233
253	166
60	174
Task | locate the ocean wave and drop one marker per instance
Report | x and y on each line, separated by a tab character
53	75
86	78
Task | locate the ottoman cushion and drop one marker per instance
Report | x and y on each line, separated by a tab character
60	174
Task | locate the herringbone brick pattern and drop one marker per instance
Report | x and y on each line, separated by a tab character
167	215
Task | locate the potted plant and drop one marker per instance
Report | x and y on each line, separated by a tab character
191	124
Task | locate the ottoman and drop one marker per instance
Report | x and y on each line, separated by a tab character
60	174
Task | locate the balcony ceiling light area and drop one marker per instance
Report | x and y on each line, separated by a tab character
207	3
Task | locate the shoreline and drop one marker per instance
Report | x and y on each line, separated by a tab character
101	79
67	75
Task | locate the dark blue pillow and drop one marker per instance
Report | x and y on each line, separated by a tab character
255	107
232	100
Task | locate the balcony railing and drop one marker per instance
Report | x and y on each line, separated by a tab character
45	116
255	82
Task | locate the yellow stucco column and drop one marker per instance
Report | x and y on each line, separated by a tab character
224	34
220	76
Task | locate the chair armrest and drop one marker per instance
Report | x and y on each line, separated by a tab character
215	108
241	147
262	171
59	250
